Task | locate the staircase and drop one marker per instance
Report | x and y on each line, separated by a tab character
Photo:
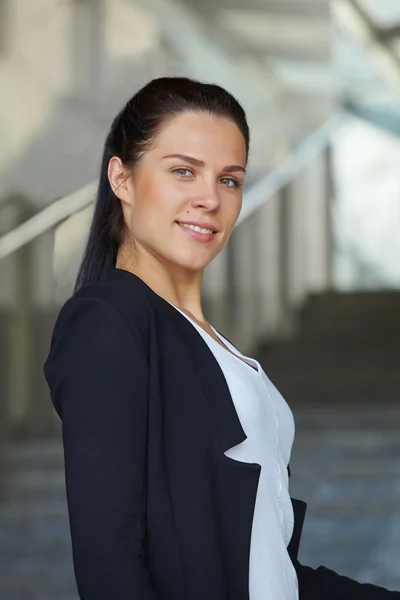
345	464
35	549
347	351
345	461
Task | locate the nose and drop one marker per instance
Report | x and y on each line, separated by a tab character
207	197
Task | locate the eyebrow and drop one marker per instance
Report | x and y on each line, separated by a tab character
200	163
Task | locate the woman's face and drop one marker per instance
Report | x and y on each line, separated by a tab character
192	177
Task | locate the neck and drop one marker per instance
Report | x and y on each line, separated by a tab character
176	285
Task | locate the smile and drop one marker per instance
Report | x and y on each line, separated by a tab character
203	235
196	228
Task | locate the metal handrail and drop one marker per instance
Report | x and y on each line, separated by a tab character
265	189
46	219
257	194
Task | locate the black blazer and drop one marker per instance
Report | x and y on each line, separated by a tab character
156	509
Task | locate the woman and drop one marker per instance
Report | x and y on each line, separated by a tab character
176	445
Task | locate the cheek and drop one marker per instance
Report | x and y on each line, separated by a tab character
161	196
154	214
149	202
231	208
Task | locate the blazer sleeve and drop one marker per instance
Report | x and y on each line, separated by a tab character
97	372
324	584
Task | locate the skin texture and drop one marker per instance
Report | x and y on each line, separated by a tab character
161	191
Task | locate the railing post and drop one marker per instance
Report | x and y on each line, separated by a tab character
267	288
329	200
215	294
244	254
231	288
296	228
21	340
285	325
318	239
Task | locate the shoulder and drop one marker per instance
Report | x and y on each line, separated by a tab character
116	304
100	341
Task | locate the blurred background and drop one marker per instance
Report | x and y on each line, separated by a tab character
309	283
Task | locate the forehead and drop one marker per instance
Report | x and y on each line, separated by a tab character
203	136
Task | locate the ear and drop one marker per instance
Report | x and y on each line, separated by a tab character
119	178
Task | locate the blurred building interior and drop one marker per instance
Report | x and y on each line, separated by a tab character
314	259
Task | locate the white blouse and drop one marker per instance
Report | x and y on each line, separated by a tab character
269	426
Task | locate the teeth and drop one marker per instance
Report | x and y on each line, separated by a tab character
196	228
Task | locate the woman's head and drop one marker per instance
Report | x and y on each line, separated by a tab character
175	154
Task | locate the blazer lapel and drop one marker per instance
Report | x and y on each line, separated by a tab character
211	380
237	482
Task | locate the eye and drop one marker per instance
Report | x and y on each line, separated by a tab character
230	182
183	172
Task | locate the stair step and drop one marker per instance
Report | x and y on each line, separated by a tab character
35	551
363	315
33	509
34	485
354	301
346	351
328	375
47	454
352	357
382	334
334	391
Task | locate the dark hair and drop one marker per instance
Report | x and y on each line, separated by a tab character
131	134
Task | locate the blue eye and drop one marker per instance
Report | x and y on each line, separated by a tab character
229	182
181	171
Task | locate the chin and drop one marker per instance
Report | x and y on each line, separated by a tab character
194	265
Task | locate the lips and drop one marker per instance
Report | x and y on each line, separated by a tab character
201	224
200	234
